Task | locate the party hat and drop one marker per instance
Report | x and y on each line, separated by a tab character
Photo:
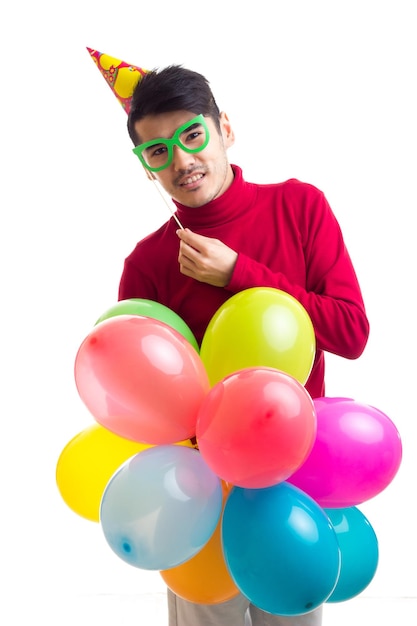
121	77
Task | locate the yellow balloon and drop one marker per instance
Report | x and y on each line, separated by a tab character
259	327
86	465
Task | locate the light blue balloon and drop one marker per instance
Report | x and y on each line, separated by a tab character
161	507
280	548
359	552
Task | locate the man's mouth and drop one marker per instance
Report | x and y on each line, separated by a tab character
191	179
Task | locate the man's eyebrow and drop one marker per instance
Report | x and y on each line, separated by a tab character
194	125
155	142
162	140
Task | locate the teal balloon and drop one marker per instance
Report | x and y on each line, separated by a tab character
359	552
153	309
280	548
161	507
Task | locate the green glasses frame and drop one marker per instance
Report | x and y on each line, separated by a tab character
170	143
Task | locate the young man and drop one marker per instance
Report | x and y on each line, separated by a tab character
236	235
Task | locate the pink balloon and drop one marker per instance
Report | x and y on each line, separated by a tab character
256	427
356	454
141	379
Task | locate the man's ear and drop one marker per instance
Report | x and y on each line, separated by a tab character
226	130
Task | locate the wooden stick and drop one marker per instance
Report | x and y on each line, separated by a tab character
170	208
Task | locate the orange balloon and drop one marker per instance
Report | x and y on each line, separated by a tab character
204	579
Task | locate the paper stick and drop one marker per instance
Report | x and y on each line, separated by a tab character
170	208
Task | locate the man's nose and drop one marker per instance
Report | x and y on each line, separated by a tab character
182	160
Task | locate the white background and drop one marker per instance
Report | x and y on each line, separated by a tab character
321	91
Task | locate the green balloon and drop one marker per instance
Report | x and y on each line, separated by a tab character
154	310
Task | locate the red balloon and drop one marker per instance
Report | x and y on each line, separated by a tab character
141	379
256	427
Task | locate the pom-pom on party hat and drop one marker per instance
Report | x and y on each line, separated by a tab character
121	77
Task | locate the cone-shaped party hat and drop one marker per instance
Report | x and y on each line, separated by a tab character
121	77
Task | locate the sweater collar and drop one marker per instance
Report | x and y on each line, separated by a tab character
232	203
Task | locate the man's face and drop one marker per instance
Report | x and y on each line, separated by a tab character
193	179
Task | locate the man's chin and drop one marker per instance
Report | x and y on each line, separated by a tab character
192	199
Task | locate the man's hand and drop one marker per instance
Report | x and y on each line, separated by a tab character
205	259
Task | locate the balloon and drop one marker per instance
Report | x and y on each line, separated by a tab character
259	327
356	454
204	578
86	465
153	309
359	552
280	548
256	427
141	379
161	507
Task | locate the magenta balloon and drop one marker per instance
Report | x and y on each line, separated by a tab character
356	454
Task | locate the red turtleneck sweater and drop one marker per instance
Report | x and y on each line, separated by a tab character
287	237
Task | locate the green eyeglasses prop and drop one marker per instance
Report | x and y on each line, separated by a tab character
193	136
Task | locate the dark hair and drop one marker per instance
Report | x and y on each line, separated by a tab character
172	88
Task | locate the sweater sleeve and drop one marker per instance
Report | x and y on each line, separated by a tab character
331	294
133	284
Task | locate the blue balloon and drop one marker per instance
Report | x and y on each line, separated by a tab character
280	548
161	507
359	552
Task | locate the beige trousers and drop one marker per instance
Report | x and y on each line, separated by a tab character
235	612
